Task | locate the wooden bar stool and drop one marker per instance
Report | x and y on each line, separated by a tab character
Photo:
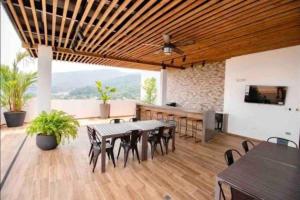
189	128
148	115
196	127
171	117
159	116
182	124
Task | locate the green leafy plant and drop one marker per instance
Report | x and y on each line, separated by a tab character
56	123
150	89
105	92
14	85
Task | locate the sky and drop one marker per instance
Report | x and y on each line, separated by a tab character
11	44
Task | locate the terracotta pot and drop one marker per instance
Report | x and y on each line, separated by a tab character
14	119
104	110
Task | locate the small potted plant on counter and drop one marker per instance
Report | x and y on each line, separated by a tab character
53	128
105	95
14	86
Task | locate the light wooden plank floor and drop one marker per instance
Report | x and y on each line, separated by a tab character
64	173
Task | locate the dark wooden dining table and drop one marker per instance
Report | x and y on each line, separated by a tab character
268	171
106	131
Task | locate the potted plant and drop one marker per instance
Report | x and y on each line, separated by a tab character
105	95
53	128
14	85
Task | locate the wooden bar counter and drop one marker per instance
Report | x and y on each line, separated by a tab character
206	119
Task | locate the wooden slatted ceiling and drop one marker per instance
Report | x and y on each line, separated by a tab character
116	31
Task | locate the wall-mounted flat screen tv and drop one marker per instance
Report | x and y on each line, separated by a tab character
265	94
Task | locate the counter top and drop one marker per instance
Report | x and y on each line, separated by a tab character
171	108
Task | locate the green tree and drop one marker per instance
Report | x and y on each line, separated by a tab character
105	92
14	85
150	89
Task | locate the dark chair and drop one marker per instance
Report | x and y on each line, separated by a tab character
129	142
115	121
236	194
229	158
246	146
155	138
282	141
96	149
168	134
93	142
134	119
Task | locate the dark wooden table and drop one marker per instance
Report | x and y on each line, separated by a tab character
268	171
106	131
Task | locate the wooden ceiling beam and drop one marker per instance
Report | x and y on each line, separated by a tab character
249	39
62	26
15	17
91	22
82	53
150	19
230	23
158	26
179	28
121	20
108	23
26	20
250	25
207	11
76	9
54	9
126	28
98	25
36	24
44	17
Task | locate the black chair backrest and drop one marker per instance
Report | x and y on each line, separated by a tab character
160	132
135	134
115	121
93	135
134	119
246	146
282	141
90	133
228	155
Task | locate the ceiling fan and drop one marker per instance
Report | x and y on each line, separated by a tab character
168	47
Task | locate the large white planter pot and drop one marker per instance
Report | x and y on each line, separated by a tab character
104	110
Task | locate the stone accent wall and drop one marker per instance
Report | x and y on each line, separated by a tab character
198	88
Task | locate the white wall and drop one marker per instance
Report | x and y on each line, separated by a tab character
81	108
279	67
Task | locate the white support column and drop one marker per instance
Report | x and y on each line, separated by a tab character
163	86
44	78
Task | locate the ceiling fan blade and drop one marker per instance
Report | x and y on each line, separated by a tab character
178	51
153	45
184	43
167	38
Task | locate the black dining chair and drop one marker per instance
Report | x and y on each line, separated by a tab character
168	135
246	146
155	138
92	140
282	141
96	149
228	155
133	119
129	142
115	121
236	194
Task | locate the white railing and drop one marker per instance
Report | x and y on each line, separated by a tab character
81	108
